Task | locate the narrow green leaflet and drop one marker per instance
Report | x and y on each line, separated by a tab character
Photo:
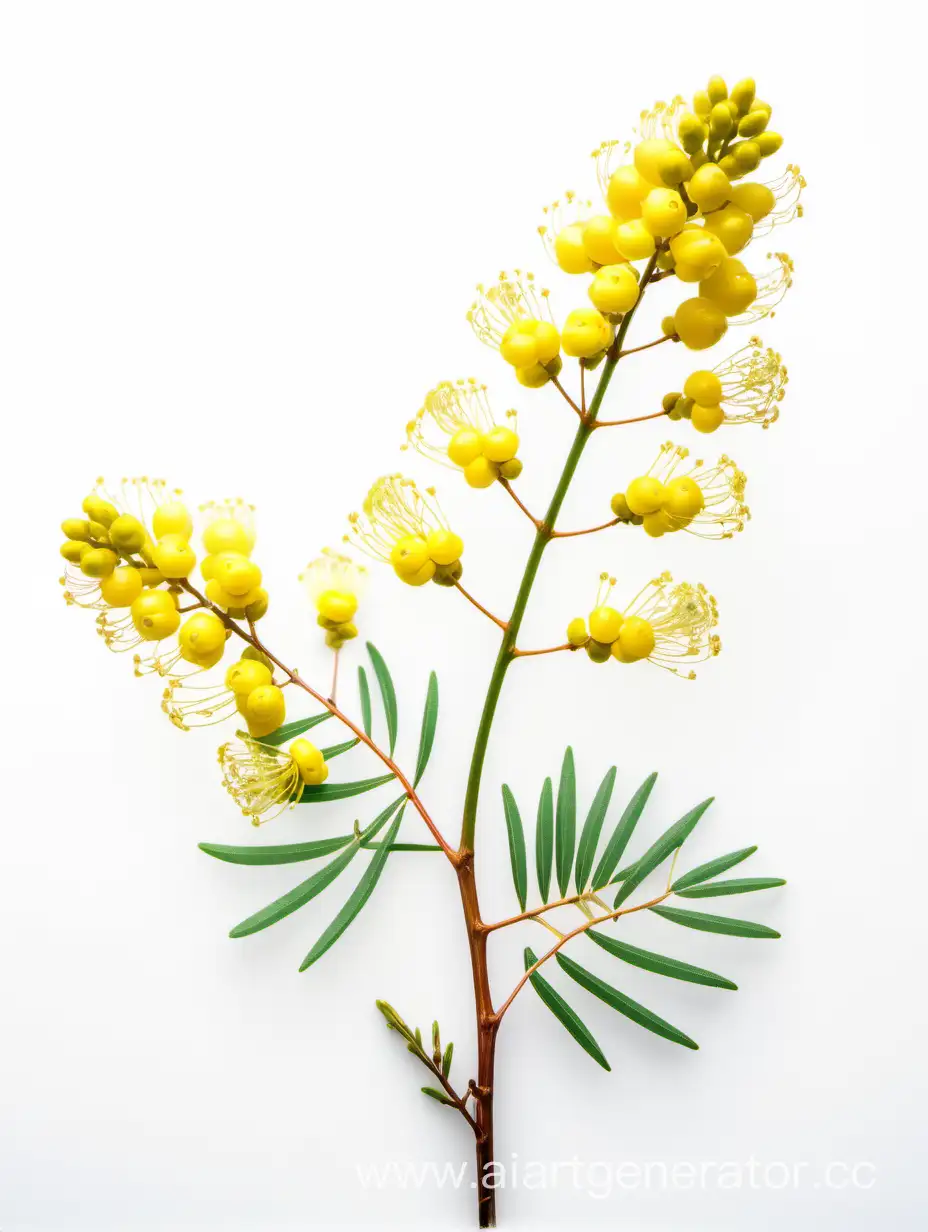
658	963
362	892
516	834
544	839
625	1005
592	828
615	848
364	691
387	693
322	793
296	728
307	890
669	841
704	871
566	820
288	853
335	749
440	1096
446	1060
736	885
429	723
714	923
563	1013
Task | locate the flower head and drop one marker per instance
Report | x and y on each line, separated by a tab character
335	585
264	781
404	526
514	317
674	494
456	427
664	623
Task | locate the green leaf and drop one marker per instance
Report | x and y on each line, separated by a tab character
291	730
704	871
446	1060
566	820
625	1005
335	749
657	853
405	846
364	689
362	892
658	963
387	693
592	827
322	793
439	1095
288	853
615	848
307	890
429	723
714	923
544	839
735	885
516	845
564	1013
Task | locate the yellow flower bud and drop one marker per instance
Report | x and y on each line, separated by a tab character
122	587
633	240
172	518
98	562
76	528
636	639
709	188
703	387
683	497
246	675
768	143
500	444
598	651
706	418
755	199
236	574
663	212
73	550
599	240
697	253
309	761
717	90
511	469
753	124
733	226
227	535
625	192
201	635
481	473
699	323
731	286
465	446
720	120
576	631
742	94
605	623
570	252
99	510
409	555
444	546
265	709
648	155
644	494
586	333
127	533
614	288
154	615
174	557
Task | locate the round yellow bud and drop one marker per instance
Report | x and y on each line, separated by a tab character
731	286
337	605
154	614
76	528
265	709
605	623
768	143
122	587
625	192
576	632
636	639
172	518
420	576
570	252
703	387
464	446
151	577
742	94
527	342
683	497
246	675
614	288
481	473
657	524
309	761
696	253
236	574
347	631
692	133
746	155
500	444
586	332
98	562
511	469
674	167
644	495
707	418
709	188
227	535
127	533
702	104
633	240
174	557
721	121
208	567
409	554
99	510
547	342
733	226
598	652
668	326
753	124
699	323
599	239
444	547
717	90
201	635
649	155
533	377
619	506
755	199
73	550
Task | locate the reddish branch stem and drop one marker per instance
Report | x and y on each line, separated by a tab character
479	606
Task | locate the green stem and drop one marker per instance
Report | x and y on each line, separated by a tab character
542	539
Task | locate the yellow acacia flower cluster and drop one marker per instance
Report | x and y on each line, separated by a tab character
664	623
455	426
404	526
265	781
705	500
335	585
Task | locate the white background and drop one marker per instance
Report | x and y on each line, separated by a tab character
238	242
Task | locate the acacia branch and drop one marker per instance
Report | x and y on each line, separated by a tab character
479	606
536	522
590	530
